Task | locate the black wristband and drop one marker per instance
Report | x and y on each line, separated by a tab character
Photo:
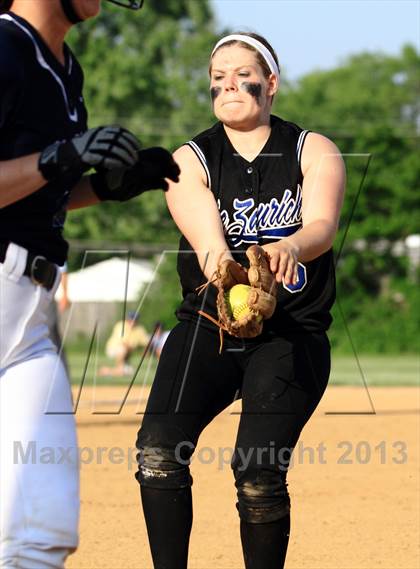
58	161
99	187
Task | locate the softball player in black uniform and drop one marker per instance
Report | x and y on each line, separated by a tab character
251	178
45	148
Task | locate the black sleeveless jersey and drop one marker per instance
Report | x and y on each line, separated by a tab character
40	102
259	202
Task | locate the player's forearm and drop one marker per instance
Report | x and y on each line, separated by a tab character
207	240
198	219
19	178
313	239
206	237
210	256
82	195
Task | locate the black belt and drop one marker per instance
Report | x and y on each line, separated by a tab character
38	269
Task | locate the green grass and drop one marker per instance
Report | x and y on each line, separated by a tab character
377	370
77	364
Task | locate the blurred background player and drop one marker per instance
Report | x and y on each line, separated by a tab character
159	338
127	337
45	150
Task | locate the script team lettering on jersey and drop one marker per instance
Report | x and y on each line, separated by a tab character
273	220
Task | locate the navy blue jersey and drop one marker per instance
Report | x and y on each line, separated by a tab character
260	202
40	102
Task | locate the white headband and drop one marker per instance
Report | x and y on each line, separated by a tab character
271	62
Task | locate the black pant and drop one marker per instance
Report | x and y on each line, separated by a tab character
280	380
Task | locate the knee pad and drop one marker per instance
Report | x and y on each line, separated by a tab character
262	497
163	468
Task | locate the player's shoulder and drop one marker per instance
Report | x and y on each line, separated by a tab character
202	145
192	157
318	150
285	127
187	159
12	37
208	135
15	48
318	144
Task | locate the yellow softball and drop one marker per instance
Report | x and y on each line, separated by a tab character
237	298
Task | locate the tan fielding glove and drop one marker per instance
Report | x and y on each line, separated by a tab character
261	299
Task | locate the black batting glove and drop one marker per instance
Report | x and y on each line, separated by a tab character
106	146
149	173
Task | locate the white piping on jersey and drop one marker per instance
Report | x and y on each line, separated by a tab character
73	115
299	145
200	155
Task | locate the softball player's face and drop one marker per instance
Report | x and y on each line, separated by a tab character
241	94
